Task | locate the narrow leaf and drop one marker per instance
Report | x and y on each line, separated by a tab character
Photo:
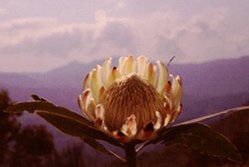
75	128
202	138
203	118
65	120
96	145
33	106
99	147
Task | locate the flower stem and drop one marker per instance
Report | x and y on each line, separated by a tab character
130	155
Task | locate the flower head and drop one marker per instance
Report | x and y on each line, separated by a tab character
132	101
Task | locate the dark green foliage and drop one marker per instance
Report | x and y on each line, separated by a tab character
41	105
236	128
9	127
199	137
34	140
66	121
203	139
21	146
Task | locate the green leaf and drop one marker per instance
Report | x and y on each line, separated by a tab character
202	138
41	107
75	128
63	119
33	106
99	147
206	117
96	145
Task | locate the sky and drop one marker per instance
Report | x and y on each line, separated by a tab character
37	36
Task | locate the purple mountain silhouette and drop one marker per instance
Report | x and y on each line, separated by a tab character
208	87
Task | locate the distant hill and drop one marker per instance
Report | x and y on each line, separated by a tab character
208	87
220	77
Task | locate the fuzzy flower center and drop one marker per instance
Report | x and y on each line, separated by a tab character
131	96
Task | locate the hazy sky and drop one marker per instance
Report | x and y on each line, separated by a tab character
38	35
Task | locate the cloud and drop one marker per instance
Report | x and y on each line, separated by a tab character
121	4
196	38
41	37
160	35
56	44
116	35
3	12
48	37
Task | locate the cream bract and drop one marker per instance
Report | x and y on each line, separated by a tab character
133	100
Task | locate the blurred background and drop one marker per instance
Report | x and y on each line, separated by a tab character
47	47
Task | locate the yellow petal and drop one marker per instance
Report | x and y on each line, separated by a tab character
130	65
150	74
162	78
90	111
86	82
176	91
80	102
121	66
100	111
114	75
167	120
130	126
141	65
177	112
87	103
96	82
158	123
106	69
86	95
101	92
168	102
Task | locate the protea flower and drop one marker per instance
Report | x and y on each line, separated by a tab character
133	100
129	105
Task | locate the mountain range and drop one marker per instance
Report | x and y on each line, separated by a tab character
208	87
